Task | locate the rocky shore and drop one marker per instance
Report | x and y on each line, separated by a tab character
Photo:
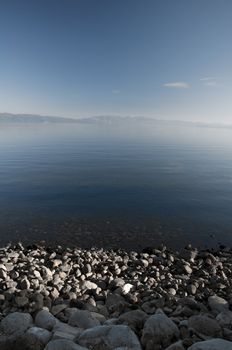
77	299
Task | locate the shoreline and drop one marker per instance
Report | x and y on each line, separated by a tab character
57	298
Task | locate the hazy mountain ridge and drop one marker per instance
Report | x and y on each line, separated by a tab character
10	118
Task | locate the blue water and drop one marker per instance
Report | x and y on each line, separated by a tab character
176	179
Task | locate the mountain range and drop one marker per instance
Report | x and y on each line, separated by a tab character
10	118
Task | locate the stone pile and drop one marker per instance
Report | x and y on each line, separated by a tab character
77	299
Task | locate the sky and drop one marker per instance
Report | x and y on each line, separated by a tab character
158	58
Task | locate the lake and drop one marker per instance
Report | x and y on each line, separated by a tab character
129	185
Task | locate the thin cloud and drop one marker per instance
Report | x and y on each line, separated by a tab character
177	85
211	82
115	91
207	79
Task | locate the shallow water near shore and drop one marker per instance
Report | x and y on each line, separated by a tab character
116	185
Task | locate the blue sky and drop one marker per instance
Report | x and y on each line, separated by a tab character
158	58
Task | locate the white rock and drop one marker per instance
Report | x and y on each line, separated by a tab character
218	304
63	344
44	319
159	330
127	288
85	285
110	337
16	322
83	319
42	335
212	344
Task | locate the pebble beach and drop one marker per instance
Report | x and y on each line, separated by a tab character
71	298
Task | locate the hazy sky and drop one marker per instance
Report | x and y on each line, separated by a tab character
164	58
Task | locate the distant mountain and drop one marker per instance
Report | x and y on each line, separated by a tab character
8	118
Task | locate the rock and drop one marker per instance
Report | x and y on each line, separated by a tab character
20	341
212	344
127	288
56	309
21	301
109	337
83	319
63	344
86	285
176	346
204	325
187	269
159	330
135	319
63	330
16	322
24	284
44	319
115	302
218	304
40	334
225	319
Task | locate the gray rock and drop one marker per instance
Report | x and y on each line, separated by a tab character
24	283
63	344
56	309
202	324
212	344
83	319
62	330
159	330
109	337
20	341
40	334
135	319
225	319
218	304
44	319
16	322
176	346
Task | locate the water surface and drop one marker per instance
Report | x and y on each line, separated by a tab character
132	185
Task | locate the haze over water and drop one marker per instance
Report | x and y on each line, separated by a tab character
164	183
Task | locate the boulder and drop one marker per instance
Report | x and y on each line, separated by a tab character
63	344
41	335
159	330
83	319
16	322
135	319
205	325
218	304
212	344
44	319
110	337
62	330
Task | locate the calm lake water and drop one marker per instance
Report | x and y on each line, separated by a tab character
125	185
